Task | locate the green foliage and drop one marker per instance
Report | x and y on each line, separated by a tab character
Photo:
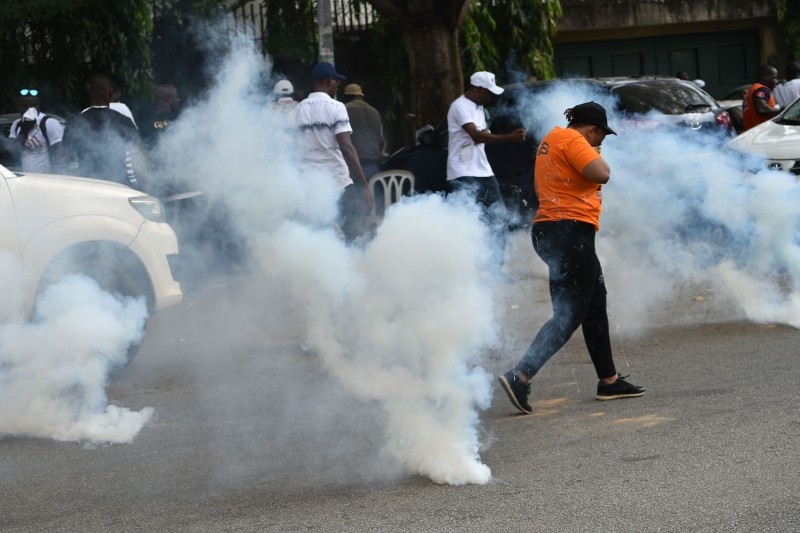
789	14
291	31
56	45
394	78
503	36
179	45
510	36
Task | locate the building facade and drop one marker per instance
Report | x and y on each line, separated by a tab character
722	42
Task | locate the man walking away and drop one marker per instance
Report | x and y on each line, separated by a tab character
324	131
367	130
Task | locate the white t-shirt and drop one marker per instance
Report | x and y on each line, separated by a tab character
34	156
787	92
319	119
464	157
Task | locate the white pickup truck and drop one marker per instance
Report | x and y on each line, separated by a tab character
52	225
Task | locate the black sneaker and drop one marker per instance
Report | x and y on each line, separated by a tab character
517	391
618	389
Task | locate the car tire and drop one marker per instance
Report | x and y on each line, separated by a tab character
113	267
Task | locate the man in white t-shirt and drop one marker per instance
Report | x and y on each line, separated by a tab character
788	91
467	164
37	137
324	133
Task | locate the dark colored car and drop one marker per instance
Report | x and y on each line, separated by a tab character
637	103
641	103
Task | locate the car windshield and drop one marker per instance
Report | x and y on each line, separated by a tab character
665	96
791	116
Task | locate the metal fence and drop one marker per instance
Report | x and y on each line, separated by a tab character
347	16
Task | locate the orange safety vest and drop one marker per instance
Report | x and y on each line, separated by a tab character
750	116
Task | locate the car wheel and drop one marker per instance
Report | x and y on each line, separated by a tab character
113	267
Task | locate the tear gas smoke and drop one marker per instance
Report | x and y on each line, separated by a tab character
404	321
680	212
53	371
401	321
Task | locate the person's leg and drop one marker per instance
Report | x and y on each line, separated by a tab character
595	329
562	246
565	247
352	213
611	386
486	192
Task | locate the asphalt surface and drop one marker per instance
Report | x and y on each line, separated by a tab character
251	435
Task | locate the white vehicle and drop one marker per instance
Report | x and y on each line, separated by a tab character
773	145
51	226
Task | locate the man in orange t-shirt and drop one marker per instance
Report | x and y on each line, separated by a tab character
759	106
568	176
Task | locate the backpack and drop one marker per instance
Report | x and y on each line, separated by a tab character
43	128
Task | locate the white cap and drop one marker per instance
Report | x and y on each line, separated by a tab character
30	114
700	83
485	80
283	87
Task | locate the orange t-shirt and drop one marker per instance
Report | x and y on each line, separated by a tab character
750	117
564	194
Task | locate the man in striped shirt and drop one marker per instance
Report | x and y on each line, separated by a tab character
324	130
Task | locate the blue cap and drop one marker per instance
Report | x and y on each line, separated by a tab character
325	70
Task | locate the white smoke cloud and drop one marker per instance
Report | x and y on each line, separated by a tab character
53	371
403	323
680	212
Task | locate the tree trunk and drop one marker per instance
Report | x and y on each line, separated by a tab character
429	30
435	68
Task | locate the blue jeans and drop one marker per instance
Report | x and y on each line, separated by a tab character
578	295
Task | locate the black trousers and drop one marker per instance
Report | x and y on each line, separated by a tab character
578	294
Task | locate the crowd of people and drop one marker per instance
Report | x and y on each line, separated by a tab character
41	143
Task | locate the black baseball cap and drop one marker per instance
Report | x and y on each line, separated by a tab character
592	113
325	70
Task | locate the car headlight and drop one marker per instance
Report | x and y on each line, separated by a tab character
149	207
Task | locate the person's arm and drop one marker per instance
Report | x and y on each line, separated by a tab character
487	137
58	157
761	103
351	158
597	171
13	147
763	108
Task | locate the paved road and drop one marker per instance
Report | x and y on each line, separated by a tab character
250	435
